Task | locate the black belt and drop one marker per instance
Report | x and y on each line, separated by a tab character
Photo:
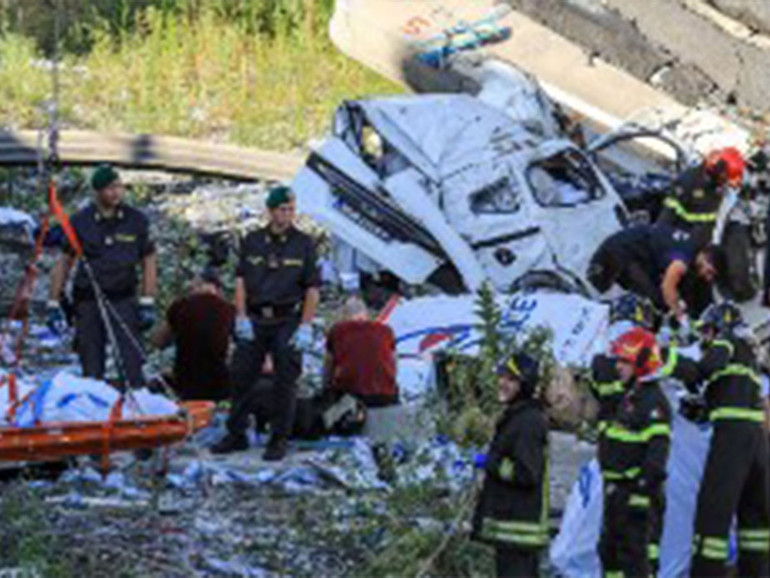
268	311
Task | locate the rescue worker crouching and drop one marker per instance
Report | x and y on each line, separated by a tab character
116	242
662	264
276	296
512	511
735	480
633	452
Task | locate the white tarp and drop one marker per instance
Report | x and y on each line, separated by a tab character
67	398
429	324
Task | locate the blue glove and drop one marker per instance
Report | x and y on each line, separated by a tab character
480	461
244	330
147	314
303	337
55	319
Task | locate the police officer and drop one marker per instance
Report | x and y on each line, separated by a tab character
659	263
697	194
633	452
116	243
276	297
735	480
512	511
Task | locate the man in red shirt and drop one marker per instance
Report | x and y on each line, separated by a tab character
200	325
361	358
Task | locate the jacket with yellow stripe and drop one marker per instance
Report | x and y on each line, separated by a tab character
634	446
727	375
512	509
607	387
693	205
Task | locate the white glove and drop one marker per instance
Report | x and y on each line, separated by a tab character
244	330
303	337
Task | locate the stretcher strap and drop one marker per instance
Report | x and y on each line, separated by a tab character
55	208
108	427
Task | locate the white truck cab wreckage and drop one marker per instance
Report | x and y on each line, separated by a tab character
450	191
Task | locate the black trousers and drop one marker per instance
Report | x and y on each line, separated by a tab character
273	338
92	338
735	482
657	515
626	532
516	562
607	268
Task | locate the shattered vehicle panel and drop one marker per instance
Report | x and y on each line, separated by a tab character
449	190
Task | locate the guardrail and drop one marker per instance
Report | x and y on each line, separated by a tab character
141	151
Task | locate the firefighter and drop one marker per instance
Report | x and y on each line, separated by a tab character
659	263
697	194
512	511
626	312
633	452
116	243
735	480
276	296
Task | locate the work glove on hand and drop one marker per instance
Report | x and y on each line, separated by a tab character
693	408
303	337
244	330
148	315
55	319
685	329
480	461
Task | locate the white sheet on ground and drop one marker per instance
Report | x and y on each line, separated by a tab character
68	398
574	551
429	324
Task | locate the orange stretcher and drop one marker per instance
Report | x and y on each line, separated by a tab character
54	441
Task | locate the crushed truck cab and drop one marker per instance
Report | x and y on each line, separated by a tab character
450	191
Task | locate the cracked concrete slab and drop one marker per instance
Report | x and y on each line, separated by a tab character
753	13
667	44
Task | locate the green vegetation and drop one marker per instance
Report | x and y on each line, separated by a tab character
254	72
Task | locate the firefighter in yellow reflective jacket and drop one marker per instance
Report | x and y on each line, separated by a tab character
735	480
512	512
697	194
633	452
627	311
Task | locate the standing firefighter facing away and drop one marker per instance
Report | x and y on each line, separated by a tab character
512	513
735	480
116	242
633	453
276	295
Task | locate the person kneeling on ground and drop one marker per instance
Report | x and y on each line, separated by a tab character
659	263
512	511
200	325
361	358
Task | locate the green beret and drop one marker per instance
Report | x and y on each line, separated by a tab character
103	177
279	195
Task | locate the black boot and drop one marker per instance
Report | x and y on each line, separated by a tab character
230	443
276	449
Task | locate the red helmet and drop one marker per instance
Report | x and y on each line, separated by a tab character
727	163
638	347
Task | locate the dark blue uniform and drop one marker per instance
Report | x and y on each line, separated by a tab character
276	271
637	258
113	248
